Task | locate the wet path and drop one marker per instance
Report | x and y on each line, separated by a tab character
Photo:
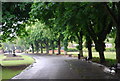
60	67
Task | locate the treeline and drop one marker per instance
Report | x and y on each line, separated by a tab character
67	22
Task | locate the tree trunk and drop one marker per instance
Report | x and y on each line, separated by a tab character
32	46
41	47
89	46
37	50
65	42
89	52
52	47
80	50
81	53
47	48
53	52
117	40
100	47
65	52
59	47
117	45
80	45
37	46
102	58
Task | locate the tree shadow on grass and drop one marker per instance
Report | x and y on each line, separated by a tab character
108	63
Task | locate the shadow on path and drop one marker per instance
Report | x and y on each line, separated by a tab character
61	67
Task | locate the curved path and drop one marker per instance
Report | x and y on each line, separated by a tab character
61	67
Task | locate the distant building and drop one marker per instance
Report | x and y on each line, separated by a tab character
71	45
108	45
17	51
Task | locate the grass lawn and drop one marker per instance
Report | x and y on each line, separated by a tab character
27	60
10	68
9	72
109	56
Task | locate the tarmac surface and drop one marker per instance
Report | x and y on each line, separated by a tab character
62	67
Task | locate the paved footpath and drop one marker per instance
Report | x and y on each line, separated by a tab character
61	67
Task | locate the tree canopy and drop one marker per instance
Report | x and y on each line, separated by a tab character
63	22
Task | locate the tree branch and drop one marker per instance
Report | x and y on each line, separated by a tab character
109	11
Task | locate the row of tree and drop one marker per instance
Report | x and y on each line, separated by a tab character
65	22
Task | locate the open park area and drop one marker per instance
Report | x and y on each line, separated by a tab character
59	40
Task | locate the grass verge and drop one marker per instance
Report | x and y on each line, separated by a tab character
108	63
110	57
10	71
27	61
10	68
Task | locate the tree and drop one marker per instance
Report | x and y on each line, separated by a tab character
78	20
47	16
12	19
89	46
113	11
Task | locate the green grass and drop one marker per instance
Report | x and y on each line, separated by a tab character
108	55
9	72
109	62
13	67
27	60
